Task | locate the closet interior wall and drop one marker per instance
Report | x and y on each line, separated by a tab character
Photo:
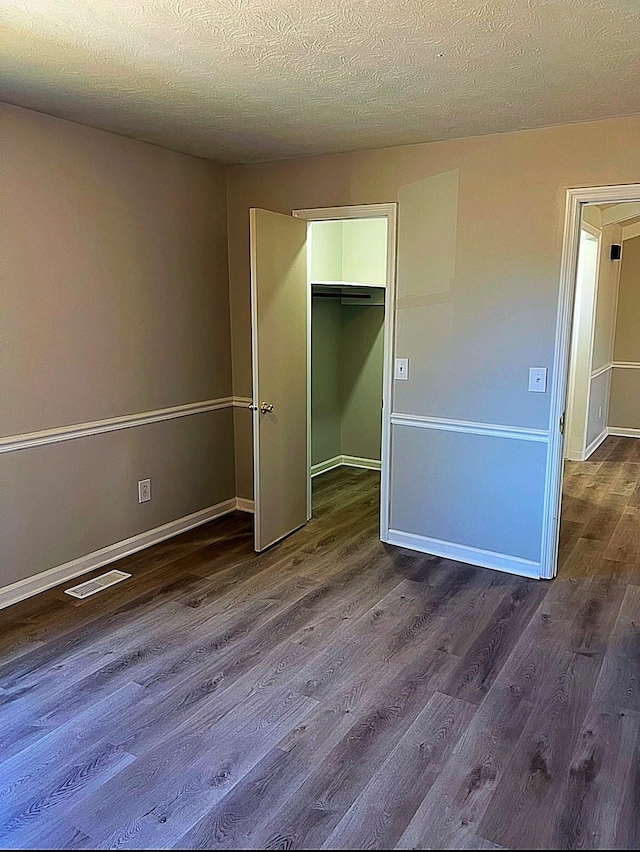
347	339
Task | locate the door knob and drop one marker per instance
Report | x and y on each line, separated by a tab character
253	407
266	407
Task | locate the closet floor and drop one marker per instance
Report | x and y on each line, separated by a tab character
332	692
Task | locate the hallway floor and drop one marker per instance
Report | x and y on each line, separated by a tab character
600	520
332	692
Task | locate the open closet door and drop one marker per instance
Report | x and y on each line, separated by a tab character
279	336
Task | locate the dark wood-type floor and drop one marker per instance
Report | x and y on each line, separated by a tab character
334	692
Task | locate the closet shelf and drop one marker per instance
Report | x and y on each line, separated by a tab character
344	284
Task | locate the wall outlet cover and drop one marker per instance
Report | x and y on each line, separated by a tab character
144	490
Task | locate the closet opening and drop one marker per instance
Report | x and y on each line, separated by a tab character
350	269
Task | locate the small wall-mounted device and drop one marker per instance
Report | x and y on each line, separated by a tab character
401	373
616	251
144	490
537	379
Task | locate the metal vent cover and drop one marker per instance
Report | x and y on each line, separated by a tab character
91	587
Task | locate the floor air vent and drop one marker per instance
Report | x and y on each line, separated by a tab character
85	590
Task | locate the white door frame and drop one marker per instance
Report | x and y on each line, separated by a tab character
576	198
367	211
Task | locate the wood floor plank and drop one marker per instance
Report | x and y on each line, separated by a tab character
570	532
624	544
580	560
627	830
450	815
43	781
585	612
588	804
230	823
312	813
622	450
477	670
208	757
618	686
70	642
626	480
477	604
532	781
108	671
412	614
64	783
601	524
58	834
605	449
234	821
379	816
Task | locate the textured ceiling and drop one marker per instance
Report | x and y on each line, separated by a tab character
247	80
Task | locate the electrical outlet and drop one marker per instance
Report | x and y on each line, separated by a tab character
144	490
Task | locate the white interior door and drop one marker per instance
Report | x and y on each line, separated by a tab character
279	338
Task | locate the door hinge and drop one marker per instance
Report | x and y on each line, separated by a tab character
562	423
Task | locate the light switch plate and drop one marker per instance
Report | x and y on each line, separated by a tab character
402	369
538	379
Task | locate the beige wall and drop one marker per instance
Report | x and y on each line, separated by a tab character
69	499
604	335
624	410
627	344
605	321
507	250
114	302
592	216
473	340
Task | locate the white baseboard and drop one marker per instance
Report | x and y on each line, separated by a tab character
465	553
356	461
325	466
244	505
346	461
624	433
62	573
593	446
